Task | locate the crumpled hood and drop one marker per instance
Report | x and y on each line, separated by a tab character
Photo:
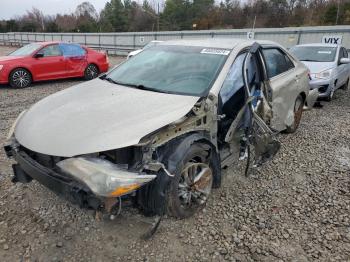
317	67
97	116
9	58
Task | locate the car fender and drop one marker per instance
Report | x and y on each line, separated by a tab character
24	66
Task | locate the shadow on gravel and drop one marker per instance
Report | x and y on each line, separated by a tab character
41	83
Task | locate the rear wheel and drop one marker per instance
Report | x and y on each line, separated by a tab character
193	181
91	72
298	111
20	78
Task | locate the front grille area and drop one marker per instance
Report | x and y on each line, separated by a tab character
128	156
44	160
323	88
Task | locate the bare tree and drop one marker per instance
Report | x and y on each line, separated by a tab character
86	9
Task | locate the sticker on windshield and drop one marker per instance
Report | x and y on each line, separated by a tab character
325	52
215	51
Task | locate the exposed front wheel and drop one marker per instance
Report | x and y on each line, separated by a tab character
20	78
193	181
298	111
91	72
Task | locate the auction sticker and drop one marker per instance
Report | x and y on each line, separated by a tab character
212	51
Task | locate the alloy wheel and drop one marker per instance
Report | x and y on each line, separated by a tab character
21	78
91	72
195	184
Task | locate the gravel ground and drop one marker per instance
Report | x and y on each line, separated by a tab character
294	208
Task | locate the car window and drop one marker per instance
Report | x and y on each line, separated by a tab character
314	53
277	62
72	50
26	50
172	69
234	79
345	53
51	50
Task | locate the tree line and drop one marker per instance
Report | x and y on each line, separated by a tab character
131	16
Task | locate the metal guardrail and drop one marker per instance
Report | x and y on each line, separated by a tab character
122	43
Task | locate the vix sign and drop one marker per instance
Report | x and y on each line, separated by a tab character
332	39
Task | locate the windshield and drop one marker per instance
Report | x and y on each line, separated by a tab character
314	53
26	50
172	69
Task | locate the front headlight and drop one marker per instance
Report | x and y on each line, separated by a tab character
326	74
103	177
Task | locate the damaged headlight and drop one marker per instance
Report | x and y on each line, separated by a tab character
103	177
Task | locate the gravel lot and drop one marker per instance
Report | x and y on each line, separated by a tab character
294	208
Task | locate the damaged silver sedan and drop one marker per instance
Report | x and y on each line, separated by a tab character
158	128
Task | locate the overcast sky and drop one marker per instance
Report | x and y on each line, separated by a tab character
12	8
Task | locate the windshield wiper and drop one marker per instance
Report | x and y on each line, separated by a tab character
309	60
142	87
110	80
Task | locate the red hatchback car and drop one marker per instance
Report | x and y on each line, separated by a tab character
51	60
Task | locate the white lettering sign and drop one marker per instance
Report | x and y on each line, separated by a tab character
332	39
142	39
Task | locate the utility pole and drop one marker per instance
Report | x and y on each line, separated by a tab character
254	23
158	19
336	20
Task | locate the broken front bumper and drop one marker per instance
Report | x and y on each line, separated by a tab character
27	169
324	86
88	182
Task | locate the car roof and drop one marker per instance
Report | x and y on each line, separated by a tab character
53	42
320	45
228	43
47	43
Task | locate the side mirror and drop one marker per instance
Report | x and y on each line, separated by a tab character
38	55
344	60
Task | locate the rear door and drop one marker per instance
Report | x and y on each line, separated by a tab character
75	57
51	65
284	80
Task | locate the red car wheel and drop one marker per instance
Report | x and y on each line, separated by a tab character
20	78
91	72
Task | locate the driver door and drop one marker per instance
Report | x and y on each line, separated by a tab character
235	106
51	65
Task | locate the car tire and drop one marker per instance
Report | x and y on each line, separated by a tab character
91	72
346	85
191	186
298	111
330	95
20	78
